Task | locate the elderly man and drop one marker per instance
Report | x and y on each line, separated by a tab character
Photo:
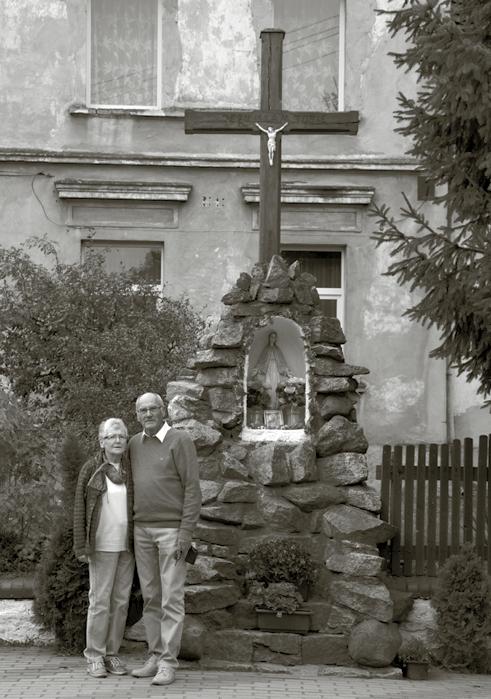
166	509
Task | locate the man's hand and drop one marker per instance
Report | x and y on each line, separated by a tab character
83	558
182	549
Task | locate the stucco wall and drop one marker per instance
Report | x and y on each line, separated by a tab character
212	60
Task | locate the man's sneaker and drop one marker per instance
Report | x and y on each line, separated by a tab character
96	668
114	665
165	675
149	669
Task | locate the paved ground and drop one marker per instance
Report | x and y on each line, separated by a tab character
38	673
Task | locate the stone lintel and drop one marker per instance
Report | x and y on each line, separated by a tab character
293	193
124	190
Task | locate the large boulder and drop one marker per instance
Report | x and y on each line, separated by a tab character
218	376
346	522
367	596
206	359
268	465
346	468
352	558
326	366
224	399
232	468
237	513
333	384
205	438
325	649
302	463
210	569
335	404
312	496
209	491
281	514
228	335
185	407
216	533
363	496
276	295
339	434
184	388
202	598
374	643
277	276
325	329
238	491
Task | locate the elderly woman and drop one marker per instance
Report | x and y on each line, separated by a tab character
103	538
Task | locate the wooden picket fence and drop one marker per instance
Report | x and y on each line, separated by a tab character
439	497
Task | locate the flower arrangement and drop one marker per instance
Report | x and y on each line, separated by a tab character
292	391
281	598
281	561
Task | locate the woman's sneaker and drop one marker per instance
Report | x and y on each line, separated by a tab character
96	668
114	665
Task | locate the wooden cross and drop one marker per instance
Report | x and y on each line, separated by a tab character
271	122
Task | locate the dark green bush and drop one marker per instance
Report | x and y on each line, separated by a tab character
62	583
9	544
281	560
461	601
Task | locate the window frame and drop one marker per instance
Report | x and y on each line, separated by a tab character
159	59
337	294
89	243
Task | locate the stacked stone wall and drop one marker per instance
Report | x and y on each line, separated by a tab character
313	490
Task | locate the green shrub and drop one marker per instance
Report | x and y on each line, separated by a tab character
62	583
462	609
85	342
281	560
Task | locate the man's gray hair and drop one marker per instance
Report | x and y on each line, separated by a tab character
109	422
158	399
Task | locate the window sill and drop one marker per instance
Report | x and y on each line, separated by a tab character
121	112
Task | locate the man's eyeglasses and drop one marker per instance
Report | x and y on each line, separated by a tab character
113	437
142	411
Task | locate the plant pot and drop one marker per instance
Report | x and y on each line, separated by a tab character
416	670
294	416
296	622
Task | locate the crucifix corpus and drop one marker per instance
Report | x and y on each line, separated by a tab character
271	121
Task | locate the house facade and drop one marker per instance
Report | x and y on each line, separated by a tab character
94	155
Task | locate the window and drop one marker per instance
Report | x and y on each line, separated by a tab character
327	267
146	258
124	53
313	53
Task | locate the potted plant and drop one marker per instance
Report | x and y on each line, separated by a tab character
280	573
415	660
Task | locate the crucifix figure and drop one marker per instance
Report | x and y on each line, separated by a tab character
277	121
271	134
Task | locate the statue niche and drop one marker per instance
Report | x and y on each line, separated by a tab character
275	395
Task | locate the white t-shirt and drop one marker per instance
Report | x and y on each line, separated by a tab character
112	532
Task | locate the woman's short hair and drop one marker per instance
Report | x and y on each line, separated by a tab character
110	421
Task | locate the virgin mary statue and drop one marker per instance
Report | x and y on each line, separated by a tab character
271	370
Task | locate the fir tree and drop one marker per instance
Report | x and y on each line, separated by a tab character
62	583
448	46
